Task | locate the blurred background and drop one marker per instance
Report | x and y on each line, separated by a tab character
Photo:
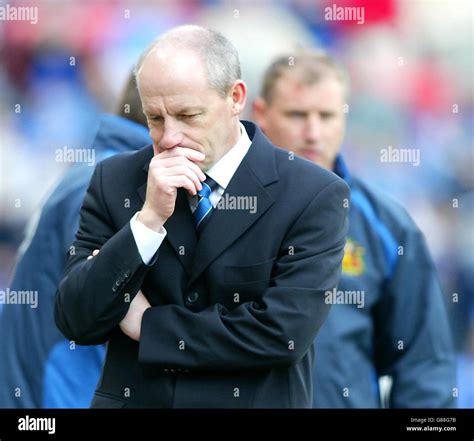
411	69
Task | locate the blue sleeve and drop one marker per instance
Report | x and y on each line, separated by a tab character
29	367
414	344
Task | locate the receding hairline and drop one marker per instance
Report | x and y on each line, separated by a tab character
307	67
196	39
180	36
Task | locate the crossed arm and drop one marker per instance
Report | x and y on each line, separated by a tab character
250	336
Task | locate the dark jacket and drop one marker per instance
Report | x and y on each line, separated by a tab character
201	346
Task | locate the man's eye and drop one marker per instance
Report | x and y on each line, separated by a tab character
155	118
326	115
189	116
296	114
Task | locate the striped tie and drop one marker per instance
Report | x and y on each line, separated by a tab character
204	207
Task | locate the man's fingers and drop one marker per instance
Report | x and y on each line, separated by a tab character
184	182
191	154
183	170
179	161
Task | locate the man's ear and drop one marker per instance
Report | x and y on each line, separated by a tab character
239	97
259	108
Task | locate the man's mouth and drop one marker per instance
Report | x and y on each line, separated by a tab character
312	155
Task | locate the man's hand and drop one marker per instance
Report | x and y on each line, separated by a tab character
168	171
132	322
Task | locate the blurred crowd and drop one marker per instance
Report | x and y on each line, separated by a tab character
411	70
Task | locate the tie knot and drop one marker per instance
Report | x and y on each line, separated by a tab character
208	186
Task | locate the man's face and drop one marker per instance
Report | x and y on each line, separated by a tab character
181	108
308	120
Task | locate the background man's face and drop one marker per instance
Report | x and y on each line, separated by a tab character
181	109
308	120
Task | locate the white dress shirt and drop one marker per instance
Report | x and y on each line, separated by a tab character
148	241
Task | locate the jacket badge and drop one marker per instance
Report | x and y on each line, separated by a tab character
353	263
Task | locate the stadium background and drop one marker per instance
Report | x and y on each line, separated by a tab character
411	69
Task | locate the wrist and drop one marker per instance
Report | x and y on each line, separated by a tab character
150	220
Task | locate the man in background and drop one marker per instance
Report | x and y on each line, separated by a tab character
38	366
392	320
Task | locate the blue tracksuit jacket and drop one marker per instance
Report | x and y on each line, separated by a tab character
394	321
38	366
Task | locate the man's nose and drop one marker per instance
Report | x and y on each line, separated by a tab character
172	136
313	129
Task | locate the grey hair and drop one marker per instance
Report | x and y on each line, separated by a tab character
310	66
219	56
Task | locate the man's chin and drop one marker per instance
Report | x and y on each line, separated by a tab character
311	156
205	165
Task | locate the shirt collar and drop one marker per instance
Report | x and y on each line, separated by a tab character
223	170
